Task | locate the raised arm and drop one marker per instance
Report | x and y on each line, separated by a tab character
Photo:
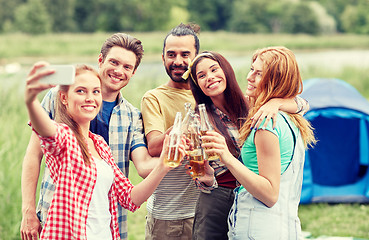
39	118
154	124
155	142
30	225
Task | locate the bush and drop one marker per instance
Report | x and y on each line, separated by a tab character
33	18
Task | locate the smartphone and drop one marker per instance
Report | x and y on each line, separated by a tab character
63	75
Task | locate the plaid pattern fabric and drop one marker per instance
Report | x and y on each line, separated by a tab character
217	165
125	135
75	182
233	132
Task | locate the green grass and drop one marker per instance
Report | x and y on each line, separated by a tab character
318	219
72	47
345	220
13	140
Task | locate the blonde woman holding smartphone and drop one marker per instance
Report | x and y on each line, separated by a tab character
88	182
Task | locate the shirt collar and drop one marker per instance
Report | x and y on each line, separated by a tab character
221	115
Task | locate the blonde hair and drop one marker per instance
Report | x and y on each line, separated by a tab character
280	78
62	115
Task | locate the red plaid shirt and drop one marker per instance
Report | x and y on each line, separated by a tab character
75	182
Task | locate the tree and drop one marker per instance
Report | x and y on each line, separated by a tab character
355	19
32	17
336	8
210	14
7	12
147	15
249	16
62	13
122	15
109	13
327	24
300	18
85	15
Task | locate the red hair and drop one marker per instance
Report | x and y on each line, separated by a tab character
281	78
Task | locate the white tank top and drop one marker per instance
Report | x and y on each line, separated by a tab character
99	216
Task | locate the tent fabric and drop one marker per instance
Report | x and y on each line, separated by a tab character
336	168
329	93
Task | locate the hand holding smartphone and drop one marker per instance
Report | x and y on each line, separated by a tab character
63	75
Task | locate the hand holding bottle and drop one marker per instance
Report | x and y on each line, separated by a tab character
173	156
214	143
208	176
205	126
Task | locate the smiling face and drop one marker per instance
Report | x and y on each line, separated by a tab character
83	98
117	69
254	77
177	54
210	78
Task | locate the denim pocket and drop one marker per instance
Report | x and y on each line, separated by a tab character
264	225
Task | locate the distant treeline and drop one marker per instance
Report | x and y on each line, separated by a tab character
252	16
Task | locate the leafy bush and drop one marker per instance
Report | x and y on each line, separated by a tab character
32	17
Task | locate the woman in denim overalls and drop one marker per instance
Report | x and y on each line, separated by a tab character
270	174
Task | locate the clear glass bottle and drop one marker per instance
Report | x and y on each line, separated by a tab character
187	120
196	153
174	156
205	126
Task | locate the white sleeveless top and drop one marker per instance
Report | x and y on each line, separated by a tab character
99	216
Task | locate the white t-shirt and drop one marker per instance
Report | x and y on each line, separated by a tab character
99	216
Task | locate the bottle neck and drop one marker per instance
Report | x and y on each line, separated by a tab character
204	120
177	123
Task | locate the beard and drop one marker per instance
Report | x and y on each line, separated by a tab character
176	77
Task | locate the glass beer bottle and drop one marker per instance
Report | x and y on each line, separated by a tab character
174	156
187	120
204	127
196	153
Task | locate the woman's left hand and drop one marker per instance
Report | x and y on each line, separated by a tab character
268	111
208	178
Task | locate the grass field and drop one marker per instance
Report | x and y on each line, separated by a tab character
319	219
71	47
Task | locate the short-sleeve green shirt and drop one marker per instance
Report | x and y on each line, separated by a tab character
286	144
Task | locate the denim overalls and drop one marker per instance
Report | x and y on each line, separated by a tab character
251	219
